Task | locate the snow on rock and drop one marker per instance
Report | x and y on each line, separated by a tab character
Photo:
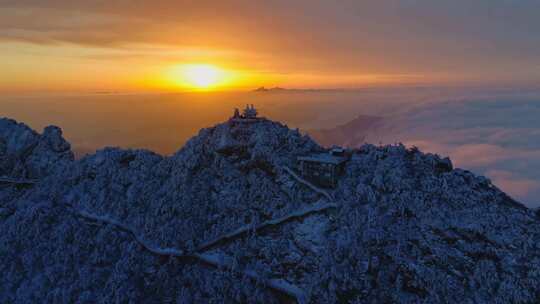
310	234
403	227
25	153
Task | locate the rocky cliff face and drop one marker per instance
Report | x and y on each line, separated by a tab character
225	220
27	154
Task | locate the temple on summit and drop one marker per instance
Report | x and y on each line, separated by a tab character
322	169
249	114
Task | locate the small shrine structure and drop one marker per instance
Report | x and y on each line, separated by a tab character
249	114
323	168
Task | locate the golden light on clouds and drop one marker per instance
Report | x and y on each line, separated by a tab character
202	75
205	76
72	46
199	76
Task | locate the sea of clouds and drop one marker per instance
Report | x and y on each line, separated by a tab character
493	132
499	138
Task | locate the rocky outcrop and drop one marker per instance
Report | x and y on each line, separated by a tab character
27	154
130	225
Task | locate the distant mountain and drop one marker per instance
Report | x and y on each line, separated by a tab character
227	219
350	134
25	153
264	89
306	90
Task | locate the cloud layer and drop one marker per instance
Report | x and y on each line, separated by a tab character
496	137
459	41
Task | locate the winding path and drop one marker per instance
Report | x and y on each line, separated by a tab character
219	261
310	185
276	285
153	249
17	181
320	207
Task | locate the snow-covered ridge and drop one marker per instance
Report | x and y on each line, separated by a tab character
226	219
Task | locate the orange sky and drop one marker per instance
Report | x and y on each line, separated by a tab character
88	46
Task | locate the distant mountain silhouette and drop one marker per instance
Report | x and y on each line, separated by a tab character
264	89
350	134
280	89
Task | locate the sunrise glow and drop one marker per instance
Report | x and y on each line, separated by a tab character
280	151
202	75
199	76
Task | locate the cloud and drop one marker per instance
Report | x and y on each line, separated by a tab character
490	132
468	155
472	155
496	137
390	37
516	186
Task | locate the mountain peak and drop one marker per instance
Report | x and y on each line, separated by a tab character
400	225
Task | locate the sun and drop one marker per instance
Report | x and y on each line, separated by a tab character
201	76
